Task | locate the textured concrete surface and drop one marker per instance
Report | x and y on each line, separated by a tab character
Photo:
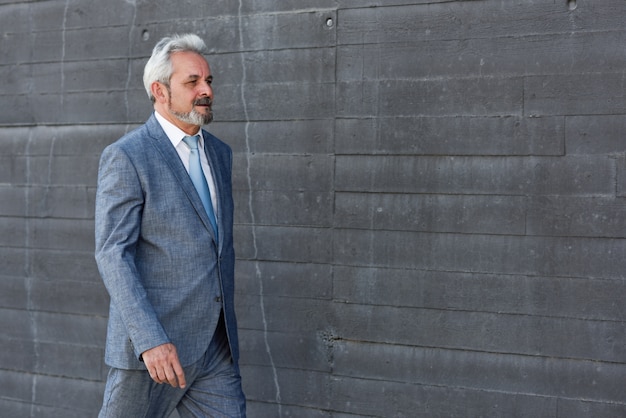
429	200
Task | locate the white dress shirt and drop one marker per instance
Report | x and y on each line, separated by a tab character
176	136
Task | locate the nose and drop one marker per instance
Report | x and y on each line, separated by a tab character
206	90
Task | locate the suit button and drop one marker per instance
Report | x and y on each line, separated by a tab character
218	299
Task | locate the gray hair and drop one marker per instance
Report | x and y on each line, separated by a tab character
159	66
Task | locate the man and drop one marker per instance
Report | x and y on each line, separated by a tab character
164	248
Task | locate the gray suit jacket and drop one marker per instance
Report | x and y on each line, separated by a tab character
167	277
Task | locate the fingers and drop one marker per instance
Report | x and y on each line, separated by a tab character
173	375
180	375
164	366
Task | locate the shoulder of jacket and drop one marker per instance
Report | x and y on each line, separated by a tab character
132	139
215	141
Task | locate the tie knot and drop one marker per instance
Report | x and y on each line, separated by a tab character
192	141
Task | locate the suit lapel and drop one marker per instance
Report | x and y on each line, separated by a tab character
164	146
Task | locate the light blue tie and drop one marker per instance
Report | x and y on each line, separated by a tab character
198	179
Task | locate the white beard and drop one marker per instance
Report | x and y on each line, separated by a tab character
193	118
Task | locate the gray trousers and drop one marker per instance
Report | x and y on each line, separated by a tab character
213	389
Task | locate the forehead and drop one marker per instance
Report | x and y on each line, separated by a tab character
187	64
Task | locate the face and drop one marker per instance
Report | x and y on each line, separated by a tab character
187	101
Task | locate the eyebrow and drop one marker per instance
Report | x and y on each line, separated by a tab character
196	77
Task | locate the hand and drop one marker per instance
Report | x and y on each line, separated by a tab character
163	365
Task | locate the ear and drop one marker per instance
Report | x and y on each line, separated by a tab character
159	91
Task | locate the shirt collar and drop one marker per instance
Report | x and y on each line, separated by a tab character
173	132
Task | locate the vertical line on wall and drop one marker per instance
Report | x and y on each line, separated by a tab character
257	267
46	189
63	30
129	60
333	189
28	282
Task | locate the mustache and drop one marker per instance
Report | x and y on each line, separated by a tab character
205	101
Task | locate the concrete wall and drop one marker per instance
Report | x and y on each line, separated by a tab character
429	200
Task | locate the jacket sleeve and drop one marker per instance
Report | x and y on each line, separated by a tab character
119	204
